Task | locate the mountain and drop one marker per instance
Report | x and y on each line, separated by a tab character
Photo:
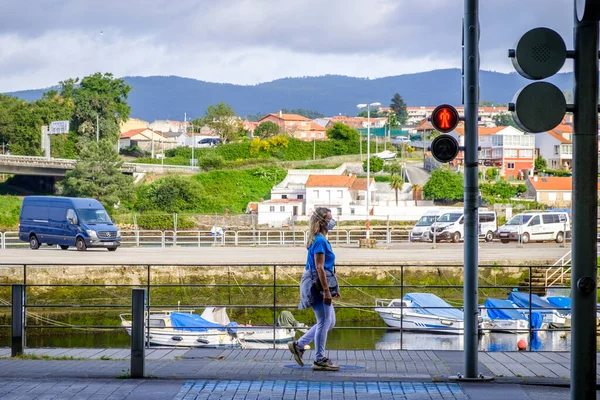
168	97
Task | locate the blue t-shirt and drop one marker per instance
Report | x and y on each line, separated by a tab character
320	245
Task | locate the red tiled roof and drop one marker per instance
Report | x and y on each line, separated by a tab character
558	136
330	181
551	183
316	127
287	117
564	128
360	184
133	132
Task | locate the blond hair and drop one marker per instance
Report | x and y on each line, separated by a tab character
314	228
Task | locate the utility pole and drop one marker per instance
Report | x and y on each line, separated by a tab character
97	129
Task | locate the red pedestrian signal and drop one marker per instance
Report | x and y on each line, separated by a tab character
444	118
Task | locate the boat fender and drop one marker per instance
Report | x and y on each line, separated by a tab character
176	338
203	341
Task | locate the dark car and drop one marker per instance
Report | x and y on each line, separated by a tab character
209	142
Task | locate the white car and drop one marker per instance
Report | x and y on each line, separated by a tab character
398	140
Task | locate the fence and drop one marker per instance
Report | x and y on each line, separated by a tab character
205	238
263	289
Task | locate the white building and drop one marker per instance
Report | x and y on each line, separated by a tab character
556	147
343	194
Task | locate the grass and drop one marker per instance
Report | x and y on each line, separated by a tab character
10	207
26	356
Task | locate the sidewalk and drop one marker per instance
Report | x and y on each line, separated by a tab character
212	373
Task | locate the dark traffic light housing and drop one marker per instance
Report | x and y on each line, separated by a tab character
444	148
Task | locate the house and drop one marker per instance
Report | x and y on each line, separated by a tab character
504	147
556	147
176	139
169	126
343	194
296	126
144	138
551	190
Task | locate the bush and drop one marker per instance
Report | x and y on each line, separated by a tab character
10	207
211	161
163	222
133	151
376	164
171	194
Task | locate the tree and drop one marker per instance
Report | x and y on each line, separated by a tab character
396	184
266	130
540	163
171	194
97	174
98	97
444	184
376	164
341	131
504	119
223	120
398	106
395	168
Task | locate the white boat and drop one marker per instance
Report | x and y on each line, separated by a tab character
503	316
539	306
421	312
184	329
283	333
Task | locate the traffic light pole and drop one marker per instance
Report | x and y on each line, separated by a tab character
471	96
585	209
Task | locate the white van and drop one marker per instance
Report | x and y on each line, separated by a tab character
539	226
420	232
451	226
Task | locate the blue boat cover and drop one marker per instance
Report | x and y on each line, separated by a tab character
192	322
560	301
522	300
508	311
424	300
537	319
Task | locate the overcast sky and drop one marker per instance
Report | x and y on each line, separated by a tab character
249	41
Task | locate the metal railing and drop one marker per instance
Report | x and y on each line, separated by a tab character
275	291
202	238
556	275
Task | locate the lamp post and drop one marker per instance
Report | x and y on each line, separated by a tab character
368	107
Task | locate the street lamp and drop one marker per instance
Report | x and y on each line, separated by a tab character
368	107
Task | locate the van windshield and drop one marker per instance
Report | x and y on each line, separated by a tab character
449	217
426	220
93	216
519	220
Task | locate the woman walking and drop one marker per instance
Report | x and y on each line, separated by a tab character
320	268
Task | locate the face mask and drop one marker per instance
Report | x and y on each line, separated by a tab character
331	224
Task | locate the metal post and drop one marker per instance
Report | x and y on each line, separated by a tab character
97	130
138	306
471	94
585	203
18	320
367	225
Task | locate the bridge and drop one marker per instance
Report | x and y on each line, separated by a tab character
57	167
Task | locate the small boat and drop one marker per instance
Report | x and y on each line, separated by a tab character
503	316
550	315
421	312
283	333
185	329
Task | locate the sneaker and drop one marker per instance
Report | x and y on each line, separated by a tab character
297	352
325	364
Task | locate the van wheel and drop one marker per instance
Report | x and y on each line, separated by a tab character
525	238
560	237
456	237
489	236
64	247
112	249
80	244
34	243
504	241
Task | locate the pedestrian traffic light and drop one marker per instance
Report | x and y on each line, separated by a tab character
444	148
444	118
540	106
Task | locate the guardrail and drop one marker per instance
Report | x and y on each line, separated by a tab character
265	289
204	238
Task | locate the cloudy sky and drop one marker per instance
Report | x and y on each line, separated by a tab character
252	41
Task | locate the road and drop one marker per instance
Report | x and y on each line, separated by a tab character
417	174
406	253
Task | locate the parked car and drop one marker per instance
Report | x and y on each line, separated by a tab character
67	221
209	142
398	140
531	226
450	226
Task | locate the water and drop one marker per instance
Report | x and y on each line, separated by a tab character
340	339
